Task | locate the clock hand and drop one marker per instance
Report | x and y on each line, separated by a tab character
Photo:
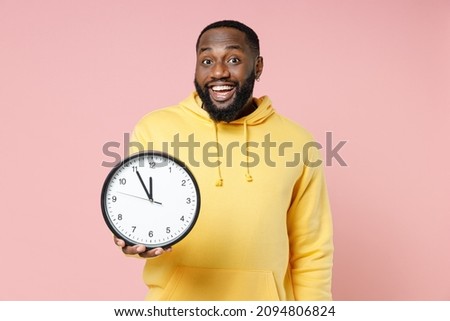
150	183
149	194
151	191
145	188
142	198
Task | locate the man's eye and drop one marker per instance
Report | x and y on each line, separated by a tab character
233	60
206	62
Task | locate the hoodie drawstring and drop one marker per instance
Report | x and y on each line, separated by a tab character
219	181
248	176
194	106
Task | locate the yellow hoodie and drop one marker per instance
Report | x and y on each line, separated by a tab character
264	231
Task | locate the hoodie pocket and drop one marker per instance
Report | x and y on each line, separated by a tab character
200	284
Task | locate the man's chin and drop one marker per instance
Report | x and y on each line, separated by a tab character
223	112
219	105
222	105
219	110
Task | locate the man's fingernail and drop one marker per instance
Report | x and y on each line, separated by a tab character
158	252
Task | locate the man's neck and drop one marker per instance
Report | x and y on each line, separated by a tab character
249	108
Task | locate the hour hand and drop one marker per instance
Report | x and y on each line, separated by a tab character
145	188
151	191
150	187
147	192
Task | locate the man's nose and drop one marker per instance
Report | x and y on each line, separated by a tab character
220	71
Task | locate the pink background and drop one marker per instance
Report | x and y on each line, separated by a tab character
77	74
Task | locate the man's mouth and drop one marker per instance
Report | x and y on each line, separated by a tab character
221	93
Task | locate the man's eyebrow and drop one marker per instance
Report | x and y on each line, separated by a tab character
204	49
238	47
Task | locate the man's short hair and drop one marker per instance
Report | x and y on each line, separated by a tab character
252	37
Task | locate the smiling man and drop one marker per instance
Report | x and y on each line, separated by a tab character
264	231
227	66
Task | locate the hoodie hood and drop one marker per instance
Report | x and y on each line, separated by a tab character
193	105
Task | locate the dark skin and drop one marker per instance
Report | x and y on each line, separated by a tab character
224	58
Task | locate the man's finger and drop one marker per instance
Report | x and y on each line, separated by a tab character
136	249
119	242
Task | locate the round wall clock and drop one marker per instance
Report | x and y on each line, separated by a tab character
150	198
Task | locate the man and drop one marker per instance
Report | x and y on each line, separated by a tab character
264	231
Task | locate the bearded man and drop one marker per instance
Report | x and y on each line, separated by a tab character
265	230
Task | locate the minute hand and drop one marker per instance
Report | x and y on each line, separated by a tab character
145	188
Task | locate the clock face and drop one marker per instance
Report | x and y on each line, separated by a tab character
150	198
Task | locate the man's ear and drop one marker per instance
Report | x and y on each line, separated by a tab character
259	66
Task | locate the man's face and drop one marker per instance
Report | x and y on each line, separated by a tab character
225	73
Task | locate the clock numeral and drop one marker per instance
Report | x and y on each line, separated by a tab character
114	198
183	182
182	218
152	164
167	230
122	181
150	233
170	169
119	217
188	200
134	228
134	169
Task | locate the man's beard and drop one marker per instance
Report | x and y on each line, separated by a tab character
232	111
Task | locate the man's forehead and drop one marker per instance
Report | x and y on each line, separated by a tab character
223	38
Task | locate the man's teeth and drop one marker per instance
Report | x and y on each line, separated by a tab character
222	88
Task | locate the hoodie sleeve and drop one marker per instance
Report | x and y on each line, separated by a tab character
311	235
137	141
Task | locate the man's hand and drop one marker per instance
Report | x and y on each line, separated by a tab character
140	250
